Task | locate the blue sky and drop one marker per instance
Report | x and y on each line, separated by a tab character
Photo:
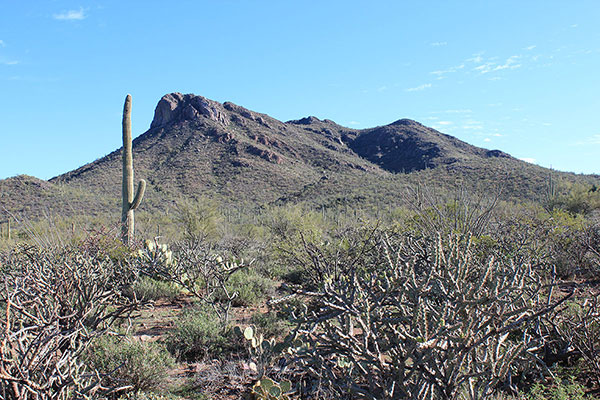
520	76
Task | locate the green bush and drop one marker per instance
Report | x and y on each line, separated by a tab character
198	333
296	276
125	361
569	390
270	324
150	396
251	287
146	288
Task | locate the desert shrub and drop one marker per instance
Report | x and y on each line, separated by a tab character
125	362
271	324
200	218
296	276
150	396
146	288
286	226
574	337
556	242
217	379
574	198
251	288
461	212
198	333
569	390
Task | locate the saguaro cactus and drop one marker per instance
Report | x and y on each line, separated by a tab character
130	202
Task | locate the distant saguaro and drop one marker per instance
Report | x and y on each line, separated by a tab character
130	202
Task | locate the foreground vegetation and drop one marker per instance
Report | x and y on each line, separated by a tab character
456	296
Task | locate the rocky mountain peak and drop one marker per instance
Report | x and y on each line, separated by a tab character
405	122
305	121
177	107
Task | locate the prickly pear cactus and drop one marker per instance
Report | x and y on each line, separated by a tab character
268	389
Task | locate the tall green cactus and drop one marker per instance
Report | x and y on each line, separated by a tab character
130	202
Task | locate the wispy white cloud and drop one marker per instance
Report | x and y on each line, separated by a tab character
9	62
476	58
445	123
510	63
487	140
491	66
70	15
382	88
437	44
2	44
484	68
419	88
440	73
354	123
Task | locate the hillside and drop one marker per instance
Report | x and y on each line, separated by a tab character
196	147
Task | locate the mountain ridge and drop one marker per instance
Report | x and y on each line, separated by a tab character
199	147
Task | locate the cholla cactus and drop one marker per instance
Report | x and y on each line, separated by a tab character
196	269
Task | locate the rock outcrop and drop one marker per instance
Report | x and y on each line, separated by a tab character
177	107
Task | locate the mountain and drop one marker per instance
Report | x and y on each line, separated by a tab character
199	147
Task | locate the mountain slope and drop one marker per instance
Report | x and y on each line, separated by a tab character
406	146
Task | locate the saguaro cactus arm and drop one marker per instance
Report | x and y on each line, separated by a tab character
139	194
130	202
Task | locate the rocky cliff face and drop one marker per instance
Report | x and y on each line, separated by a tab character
177	107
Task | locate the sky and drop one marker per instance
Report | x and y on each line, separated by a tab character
519	76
